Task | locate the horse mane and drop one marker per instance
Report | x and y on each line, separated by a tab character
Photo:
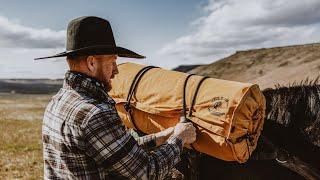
293	115
284	101
303	83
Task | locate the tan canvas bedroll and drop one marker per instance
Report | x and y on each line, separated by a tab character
228	115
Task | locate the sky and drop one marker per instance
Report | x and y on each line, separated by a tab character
169	33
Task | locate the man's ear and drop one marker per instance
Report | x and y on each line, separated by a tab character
91	64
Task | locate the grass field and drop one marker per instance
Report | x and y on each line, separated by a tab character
20	136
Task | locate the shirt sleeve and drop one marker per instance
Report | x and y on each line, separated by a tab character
147	142
119	153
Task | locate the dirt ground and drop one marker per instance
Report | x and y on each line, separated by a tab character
20	135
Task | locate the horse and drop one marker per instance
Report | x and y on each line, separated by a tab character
289	147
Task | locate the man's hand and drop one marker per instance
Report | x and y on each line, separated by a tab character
162	136
186	132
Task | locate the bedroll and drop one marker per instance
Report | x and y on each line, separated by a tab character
228	115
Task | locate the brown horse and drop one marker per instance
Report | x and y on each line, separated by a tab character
288	149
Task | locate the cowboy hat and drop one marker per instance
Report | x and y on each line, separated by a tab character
91	35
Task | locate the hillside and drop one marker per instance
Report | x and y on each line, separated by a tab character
30	86
268	66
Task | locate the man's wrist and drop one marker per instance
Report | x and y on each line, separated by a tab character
162	136
175	140
180	138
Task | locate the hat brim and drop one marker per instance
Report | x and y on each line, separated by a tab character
97	50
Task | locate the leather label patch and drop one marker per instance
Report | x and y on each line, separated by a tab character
219	106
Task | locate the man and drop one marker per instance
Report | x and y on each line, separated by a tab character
83	136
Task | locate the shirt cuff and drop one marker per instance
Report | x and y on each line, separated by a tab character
176	141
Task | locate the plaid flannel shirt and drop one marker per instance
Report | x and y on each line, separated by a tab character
84	138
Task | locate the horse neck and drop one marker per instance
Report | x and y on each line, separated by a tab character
292	105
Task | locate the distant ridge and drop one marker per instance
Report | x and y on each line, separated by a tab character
44	80
267	66
30	86
185	68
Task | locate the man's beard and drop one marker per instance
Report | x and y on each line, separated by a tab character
107	86
104	81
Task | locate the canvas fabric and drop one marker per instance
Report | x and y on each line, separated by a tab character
228	115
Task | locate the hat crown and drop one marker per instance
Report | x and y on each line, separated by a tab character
90	35
89	31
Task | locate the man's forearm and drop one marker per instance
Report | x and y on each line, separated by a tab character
152	140
162	136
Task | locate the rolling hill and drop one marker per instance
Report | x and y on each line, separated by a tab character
268	66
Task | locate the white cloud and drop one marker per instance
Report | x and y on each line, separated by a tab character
19	63
231	25
20	44
13	34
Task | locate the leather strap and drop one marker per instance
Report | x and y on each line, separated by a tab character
133	87
193	156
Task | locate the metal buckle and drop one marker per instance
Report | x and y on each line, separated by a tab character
282	156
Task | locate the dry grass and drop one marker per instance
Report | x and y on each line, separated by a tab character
20	150
20	136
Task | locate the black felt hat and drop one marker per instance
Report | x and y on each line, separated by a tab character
92	36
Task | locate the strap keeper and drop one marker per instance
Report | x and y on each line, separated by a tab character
127	107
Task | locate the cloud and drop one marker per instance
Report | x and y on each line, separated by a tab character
15	35
231	25
19	63
289	13
20	44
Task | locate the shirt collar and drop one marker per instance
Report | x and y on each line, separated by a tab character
83	83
